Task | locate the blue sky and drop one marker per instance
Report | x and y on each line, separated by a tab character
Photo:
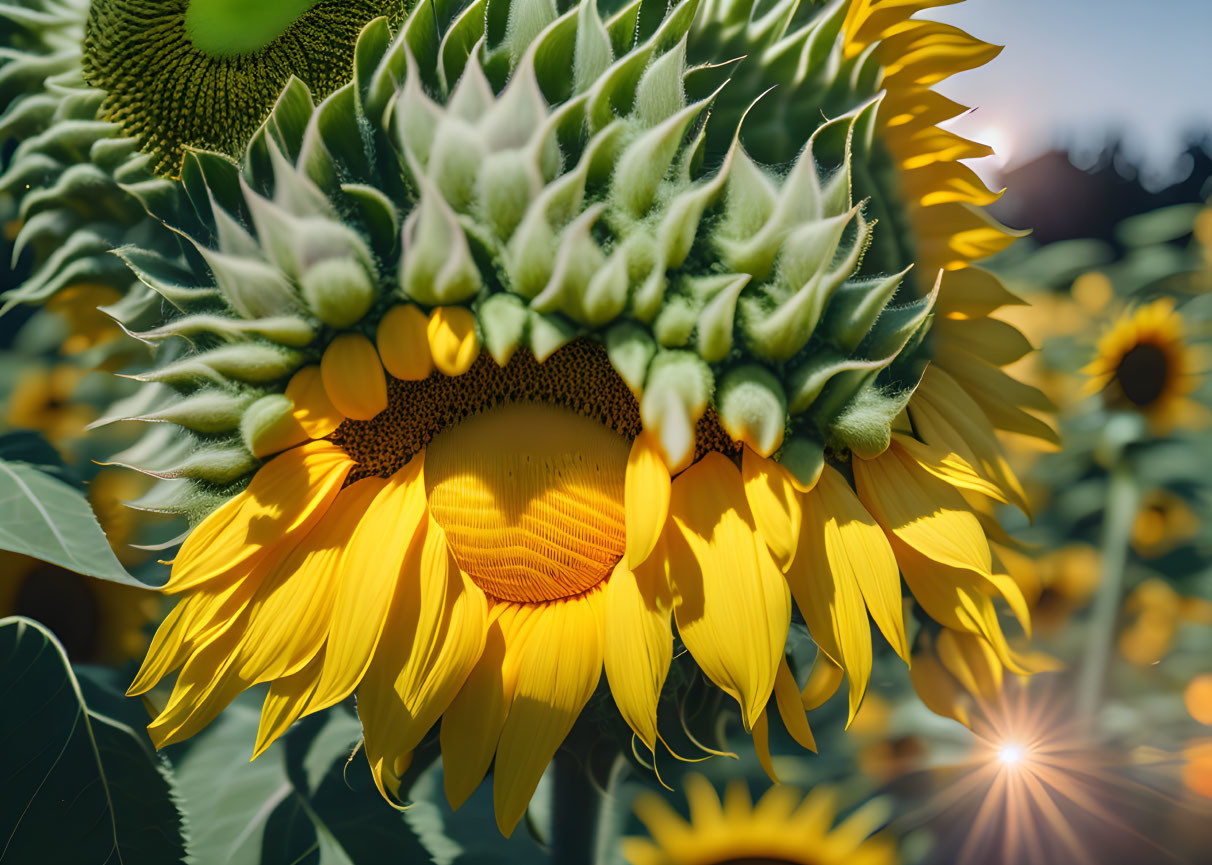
1074	69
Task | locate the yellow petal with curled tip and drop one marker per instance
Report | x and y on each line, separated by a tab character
369	571
791	707
861	547
284	495
353	377
822	682
452	339
404	344
731	603
646	494
471	725
941	694
551	689
433	637
285	701
313	409
972	662
638	643
827	592
775	502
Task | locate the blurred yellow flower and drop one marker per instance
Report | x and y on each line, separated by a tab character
1164	522
1156	611
1144	364
88	327
42	400
1198	698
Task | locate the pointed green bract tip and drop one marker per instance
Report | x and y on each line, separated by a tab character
230	28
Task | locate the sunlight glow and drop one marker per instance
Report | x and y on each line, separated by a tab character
1011	755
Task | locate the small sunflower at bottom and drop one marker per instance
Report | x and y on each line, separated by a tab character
784	827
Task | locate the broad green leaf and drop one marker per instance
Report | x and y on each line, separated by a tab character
50	520
302	802
75	785
31	447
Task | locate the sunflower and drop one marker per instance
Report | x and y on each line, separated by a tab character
1144	364
784	827
43	399
1164	522
511	365
98	621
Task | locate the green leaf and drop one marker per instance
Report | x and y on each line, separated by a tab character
31	447
302	802
75	786
52	521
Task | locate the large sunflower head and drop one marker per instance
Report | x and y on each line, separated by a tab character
783	827
1144	364
521	356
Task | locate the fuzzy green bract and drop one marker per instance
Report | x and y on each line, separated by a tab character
564	172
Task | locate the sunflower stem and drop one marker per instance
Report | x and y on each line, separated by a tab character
1122	495
579	810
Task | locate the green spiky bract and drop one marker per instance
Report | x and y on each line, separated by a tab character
563	172
77	187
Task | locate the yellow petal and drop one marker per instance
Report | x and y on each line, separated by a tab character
972	661
924	512
471	726
433	637
370	569
822	682
761	745
289	615
204	688
950	467
403	343
313	409
285	495
194	621
775	503
285	701
730	601
452	339
861	547
945	416
941	694
646	497
954	597
791	707
826	588
638	644
552	687
353	377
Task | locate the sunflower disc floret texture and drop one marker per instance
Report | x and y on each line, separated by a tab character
511	363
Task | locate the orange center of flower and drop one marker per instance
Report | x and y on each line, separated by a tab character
531	499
